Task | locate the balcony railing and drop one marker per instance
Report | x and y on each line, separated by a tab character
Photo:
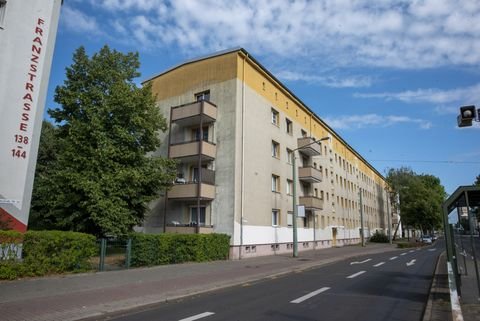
310	174
311	202
190	113
188	229
192	148
189	191
312	150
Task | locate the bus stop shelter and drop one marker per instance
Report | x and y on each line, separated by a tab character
460	217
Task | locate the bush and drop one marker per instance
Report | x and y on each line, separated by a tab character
404	245
44	252
379	238
58	252
157	249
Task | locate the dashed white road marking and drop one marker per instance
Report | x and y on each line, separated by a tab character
379	264
198	316
310	295
364	261
404	253
411	251
412	262
355	275
431	250
393	258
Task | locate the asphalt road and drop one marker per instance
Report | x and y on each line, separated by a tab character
389	286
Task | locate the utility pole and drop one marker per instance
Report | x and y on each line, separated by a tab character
362	235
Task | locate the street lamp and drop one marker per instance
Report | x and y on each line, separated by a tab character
295	210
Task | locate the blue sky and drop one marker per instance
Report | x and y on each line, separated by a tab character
388	76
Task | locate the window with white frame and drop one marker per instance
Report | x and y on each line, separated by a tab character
275	183
275	117
3	8
275	149
205	95
275	217
289	187
290	219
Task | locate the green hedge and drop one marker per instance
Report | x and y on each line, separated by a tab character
157	249
379	238
47	252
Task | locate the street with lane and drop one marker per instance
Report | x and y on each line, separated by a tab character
387	286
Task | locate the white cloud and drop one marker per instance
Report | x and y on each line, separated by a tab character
77	21
398	33
373	120
466	95
334	81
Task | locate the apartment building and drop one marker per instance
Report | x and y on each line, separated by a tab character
234	131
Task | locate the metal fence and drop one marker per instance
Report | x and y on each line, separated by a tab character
115	254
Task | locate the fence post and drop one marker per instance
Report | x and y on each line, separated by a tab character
128	255
103	250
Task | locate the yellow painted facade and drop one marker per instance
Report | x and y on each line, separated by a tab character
237	64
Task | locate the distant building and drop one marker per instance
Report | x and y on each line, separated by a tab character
27	37
234	129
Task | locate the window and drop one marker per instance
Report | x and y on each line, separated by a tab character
289	187
304	133
275	117
275	217
289	156
193	215
204	95
275	183
196	134
290	219
3	7
275	149
289	129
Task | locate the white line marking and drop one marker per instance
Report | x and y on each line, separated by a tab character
411	251
365	261
412	262
378	264
311	294
198	316
393	258
404	253
431	250
355	275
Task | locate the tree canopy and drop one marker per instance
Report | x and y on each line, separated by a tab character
421	198
95	170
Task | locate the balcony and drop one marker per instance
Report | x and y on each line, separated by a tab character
310	150
189	191
188	229
311	202
190	114
192	150
309	174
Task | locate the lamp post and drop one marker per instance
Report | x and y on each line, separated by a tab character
295	210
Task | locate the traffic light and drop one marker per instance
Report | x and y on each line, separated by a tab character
467	115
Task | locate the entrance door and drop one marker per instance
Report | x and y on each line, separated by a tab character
334	236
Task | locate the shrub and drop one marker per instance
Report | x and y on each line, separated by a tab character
156	249
403	245
379	237
57	251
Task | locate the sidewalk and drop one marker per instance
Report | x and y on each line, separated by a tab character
80	296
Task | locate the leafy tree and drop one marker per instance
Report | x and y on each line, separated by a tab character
477	180
421	198
100	180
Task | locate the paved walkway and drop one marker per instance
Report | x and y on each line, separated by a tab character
80	296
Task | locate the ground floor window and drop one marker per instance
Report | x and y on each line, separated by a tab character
275	217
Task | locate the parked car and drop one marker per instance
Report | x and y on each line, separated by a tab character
427	239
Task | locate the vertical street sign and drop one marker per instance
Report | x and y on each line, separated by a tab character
27	38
